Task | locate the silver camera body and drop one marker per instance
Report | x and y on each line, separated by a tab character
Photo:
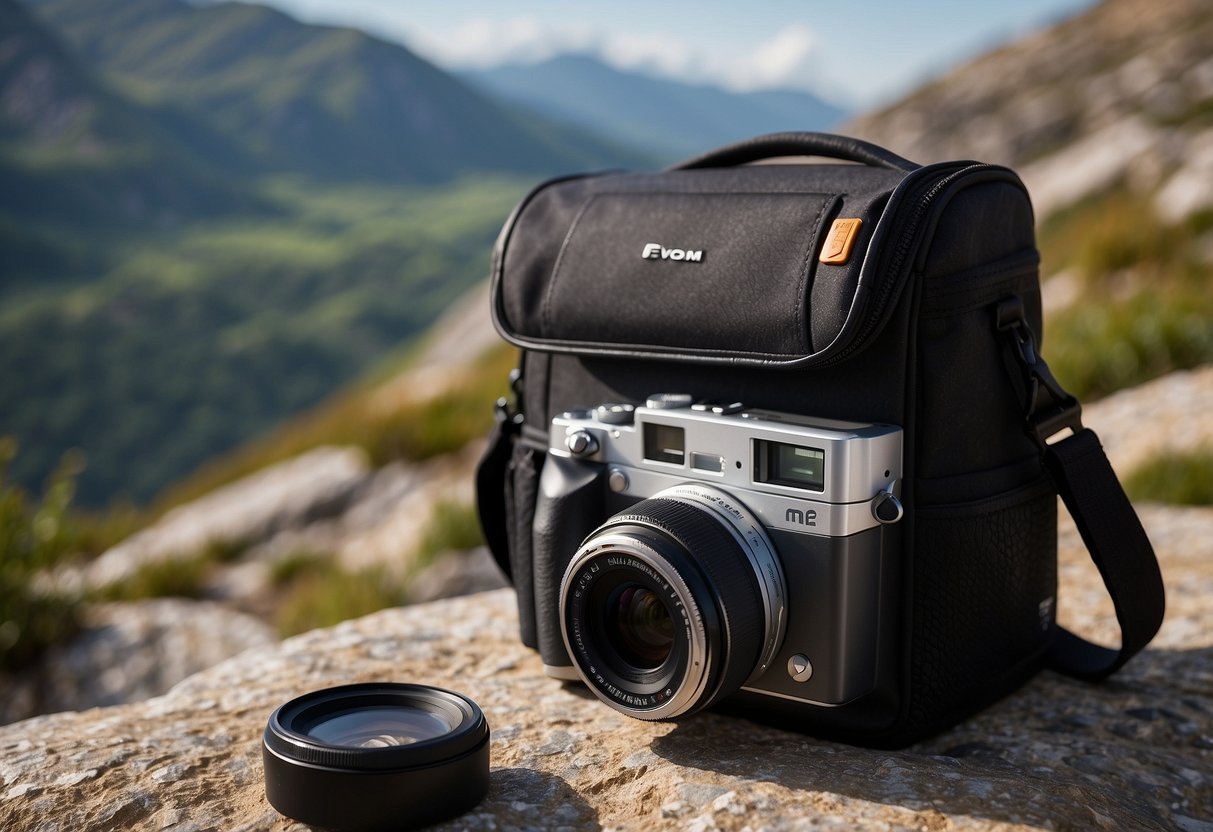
744	555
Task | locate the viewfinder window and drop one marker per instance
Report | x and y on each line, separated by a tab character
794	466
664	443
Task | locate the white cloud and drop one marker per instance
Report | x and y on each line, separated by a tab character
783	60
481	42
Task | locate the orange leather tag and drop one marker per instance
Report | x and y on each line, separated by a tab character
840	241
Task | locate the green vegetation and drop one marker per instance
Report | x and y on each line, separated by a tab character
1179	478
172	578
317	592
414	430
193	342
1145	305
454	526
177	577
1097	349
216	215
324	594
297	564
32	538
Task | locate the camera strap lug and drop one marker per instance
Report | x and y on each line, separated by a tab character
886	507
1086	483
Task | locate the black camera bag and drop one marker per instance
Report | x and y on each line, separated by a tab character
931	321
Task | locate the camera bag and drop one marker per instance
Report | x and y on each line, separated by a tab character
871	289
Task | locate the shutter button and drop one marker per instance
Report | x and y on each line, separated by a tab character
615	414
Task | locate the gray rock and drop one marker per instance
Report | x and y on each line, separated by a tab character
1129	754
1110	95
456	573
317	484
130	652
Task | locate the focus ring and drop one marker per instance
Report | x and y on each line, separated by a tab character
729	574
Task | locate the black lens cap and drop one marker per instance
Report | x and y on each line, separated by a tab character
359	758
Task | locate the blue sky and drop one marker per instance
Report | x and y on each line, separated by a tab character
860	54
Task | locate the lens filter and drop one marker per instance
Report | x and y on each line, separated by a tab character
376	756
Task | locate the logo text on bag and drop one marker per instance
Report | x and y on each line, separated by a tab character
655	251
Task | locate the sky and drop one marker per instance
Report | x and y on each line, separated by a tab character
858	54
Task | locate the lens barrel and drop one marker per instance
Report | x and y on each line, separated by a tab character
673	604
376	756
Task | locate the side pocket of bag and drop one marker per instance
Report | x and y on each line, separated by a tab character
985	580
521	491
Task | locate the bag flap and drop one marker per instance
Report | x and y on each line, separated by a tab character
720	264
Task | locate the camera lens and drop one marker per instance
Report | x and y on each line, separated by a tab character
673	604
376	756
639	625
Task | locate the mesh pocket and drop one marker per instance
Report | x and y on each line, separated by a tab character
985	580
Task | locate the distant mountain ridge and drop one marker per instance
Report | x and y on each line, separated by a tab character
332	103
672	119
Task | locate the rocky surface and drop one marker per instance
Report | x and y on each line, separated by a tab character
1170	413
302	490
1136	752
127	652
1112	95
457	573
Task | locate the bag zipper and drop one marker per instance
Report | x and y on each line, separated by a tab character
892	281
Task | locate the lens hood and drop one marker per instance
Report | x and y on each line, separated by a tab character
376	756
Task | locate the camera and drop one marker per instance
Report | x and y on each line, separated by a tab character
693	553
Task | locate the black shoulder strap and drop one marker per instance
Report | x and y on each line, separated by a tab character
1090	490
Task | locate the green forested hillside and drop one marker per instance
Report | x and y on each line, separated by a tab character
182	344
213	216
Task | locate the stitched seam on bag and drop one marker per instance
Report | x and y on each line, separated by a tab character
661	352
964	281
1021	259
545	316
802	329
1033	490
989	294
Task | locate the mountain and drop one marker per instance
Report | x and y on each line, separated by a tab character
670	118
71	150
1121	94
212	217
333	103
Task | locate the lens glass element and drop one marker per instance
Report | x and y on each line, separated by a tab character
378	727
639	626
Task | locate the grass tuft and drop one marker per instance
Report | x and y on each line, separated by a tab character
33	538
453	526
324	594
1177	478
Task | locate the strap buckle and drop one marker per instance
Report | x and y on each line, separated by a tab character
1049	408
